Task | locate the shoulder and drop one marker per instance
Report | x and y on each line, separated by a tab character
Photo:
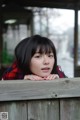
12	72
60	72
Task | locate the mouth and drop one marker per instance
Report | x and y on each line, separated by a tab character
45	69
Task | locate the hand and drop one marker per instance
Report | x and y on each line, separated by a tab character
32	77
52	77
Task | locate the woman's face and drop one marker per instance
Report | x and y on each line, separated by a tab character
42	64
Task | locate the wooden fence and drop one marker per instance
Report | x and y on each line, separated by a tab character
40	100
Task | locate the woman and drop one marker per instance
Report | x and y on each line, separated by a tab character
35	60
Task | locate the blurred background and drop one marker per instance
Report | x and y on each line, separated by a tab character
59	21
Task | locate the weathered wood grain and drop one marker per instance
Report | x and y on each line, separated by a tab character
16	110
41	100
27	90
43	110
70	109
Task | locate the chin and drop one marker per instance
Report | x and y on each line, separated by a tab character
44	76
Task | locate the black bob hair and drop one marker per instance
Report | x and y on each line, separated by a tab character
25	50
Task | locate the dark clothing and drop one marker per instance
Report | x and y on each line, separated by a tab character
15	73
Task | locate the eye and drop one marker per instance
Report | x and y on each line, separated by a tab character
51	55
37	55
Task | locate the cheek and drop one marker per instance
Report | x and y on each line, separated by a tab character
35	67
34	64
53	61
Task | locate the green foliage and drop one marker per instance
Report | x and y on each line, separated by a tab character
7	58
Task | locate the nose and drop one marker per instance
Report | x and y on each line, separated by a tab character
45	59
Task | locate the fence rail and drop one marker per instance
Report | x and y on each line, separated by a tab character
41	100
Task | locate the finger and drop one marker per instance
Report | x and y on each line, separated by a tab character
27	77
49	77
38	78
55	77
52	77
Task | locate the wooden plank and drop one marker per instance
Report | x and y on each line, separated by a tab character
70	109
16	110
43	110
27	90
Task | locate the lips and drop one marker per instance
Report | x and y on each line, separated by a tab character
45	69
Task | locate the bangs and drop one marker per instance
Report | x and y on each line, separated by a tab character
43	49
42	45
